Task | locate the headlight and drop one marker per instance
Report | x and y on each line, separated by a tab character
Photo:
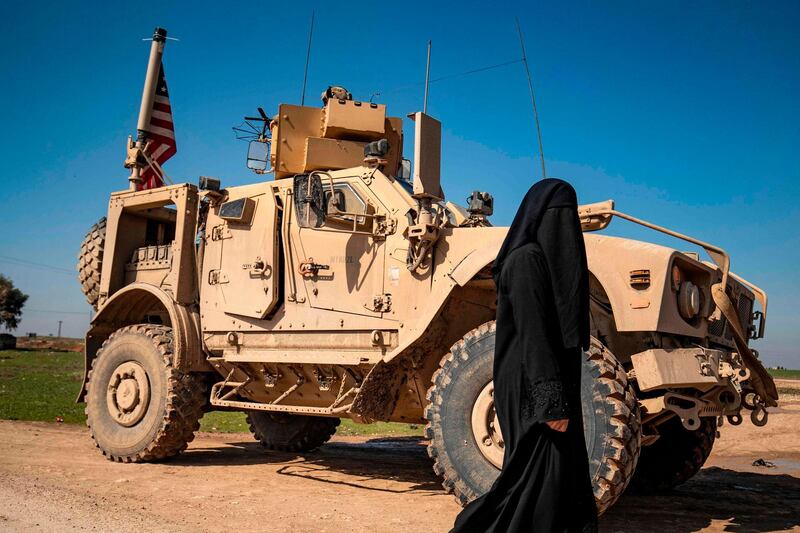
677	278
689	300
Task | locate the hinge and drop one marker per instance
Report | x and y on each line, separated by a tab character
382	303
383	226
217	277
220	232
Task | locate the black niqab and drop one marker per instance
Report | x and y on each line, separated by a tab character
562	246
542	329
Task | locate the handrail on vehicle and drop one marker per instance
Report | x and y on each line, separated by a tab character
598	216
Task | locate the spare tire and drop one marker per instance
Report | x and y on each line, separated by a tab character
90	262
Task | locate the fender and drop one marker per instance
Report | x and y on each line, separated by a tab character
474	261
477	259
132	305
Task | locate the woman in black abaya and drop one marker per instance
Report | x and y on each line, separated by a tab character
542	330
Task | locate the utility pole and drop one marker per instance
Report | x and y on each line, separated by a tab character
59	328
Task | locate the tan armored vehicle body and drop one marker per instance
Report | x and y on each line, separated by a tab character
343	289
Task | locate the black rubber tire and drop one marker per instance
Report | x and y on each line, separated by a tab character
291	433
90	262
675	457
176	400
612	440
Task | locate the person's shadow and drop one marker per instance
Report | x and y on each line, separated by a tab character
727	499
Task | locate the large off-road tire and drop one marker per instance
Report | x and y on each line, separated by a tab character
291	433
675	457
90	261
138	406
465	442
612	424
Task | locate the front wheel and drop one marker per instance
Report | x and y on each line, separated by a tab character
465	439
138	406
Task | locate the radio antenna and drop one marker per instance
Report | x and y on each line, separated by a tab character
308	56
427	79
533	97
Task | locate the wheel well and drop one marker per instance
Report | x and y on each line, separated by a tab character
136	305
603	325
466	308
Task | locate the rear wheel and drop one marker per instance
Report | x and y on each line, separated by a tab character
676	456
138	406
466	443
291	433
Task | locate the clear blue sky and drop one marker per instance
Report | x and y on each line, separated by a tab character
686	113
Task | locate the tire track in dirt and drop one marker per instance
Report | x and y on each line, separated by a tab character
52	478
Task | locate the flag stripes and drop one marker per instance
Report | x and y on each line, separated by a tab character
160	134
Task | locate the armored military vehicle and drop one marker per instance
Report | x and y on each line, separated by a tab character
345	286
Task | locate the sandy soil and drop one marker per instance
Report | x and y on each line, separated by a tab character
52	479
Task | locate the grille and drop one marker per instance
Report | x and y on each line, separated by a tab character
717	327
745	309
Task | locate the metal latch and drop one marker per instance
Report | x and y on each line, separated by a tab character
257	268
310	269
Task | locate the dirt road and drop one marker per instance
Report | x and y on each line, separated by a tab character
52	479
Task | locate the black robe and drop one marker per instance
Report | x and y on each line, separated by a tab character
542	330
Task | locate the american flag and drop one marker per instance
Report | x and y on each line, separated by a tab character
160	134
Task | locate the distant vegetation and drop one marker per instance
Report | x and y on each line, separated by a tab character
12	300
42	386
784	373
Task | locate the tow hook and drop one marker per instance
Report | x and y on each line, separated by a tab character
759	416
758	410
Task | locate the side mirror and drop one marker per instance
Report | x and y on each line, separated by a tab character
258	156
404	172
309	201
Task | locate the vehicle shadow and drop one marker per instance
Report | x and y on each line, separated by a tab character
368	465
727	500
730	500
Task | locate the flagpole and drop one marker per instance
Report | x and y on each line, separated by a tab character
146	108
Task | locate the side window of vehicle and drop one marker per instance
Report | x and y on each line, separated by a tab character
350	204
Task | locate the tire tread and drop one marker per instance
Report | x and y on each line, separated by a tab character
185	400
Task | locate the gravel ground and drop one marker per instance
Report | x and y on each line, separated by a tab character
53	479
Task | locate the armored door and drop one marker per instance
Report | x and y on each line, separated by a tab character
342	263
244	237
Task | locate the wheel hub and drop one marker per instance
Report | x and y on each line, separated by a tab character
128	393
486	428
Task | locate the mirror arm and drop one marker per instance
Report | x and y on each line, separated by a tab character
330	186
